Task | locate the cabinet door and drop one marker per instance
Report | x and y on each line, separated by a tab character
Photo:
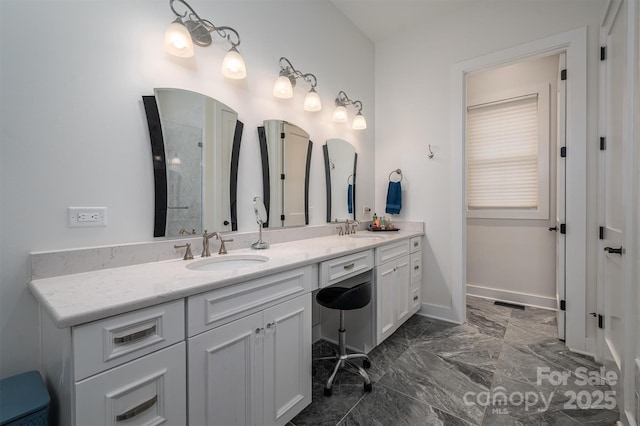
385	304
148	391
287	360
402	290
225	374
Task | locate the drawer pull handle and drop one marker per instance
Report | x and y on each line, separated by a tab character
135	336
416	267
137	410
349	266
415	298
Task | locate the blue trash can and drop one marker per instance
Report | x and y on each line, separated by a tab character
24	400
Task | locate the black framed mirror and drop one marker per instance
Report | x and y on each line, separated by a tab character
340	164
195	147
286	160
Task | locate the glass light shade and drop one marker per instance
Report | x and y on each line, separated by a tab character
233	65
359	123
340	114
283	89
177	40
312	101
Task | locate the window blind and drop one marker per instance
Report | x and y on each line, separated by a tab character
502	154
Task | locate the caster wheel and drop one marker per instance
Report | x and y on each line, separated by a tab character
328	391
366	364
368	387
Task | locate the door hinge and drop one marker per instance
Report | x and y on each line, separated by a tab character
600	319
563	228
281	217
282	176
563	75
282	135
601	233
603	143
603	53
563	152
563	305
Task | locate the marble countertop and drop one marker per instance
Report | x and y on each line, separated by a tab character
88	296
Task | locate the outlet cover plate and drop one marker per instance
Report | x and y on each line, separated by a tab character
87	217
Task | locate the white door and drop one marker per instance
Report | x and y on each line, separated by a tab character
385	278
287	360
402	289
560	197
611	299
225	374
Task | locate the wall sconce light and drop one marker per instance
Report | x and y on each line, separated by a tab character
182	34
340	114
283	88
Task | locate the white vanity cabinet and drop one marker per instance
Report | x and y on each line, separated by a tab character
398	285
254	370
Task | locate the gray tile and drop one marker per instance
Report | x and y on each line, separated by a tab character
325	410
536	315
438	382
525	331
384	406
384	355
488	318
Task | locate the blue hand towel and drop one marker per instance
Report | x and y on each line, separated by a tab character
394	198
350	198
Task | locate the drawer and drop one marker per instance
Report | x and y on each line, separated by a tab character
416	244
335	270
416	268
416	299
392	251
149	390
107	343
209	310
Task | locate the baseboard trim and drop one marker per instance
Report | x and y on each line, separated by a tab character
439	312
526	299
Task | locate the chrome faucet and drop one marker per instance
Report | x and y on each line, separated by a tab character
187	255
205	243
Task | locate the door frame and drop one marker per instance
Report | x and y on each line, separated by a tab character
574	43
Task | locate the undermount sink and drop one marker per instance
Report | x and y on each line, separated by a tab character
227	262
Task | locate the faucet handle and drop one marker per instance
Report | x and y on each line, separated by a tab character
223	249
187	255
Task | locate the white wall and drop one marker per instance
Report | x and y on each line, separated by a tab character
506	256
413	110
74	133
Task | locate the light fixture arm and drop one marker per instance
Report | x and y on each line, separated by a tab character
287	70
343	100
195	23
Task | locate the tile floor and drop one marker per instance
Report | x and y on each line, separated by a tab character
431	372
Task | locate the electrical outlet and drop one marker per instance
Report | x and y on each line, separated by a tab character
85	217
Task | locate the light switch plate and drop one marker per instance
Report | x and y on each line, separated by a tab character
86	217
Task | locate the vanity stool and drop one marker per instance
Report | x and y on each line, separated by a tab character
344	299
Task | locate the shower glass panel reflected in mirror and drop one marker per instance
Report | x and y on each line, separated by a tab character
340	162
195	144
286	159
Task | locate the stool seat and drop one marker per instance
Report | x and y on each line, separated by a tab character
345	298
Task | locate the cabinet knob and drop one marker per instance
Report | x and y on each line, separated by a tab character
416	267
258	330
271	324
415	298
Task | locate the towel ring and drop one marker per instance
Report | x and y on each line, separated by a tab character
349	177
398	171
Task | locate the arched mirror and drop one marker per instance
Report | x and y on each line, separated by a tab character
286	159
340	162
195	142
